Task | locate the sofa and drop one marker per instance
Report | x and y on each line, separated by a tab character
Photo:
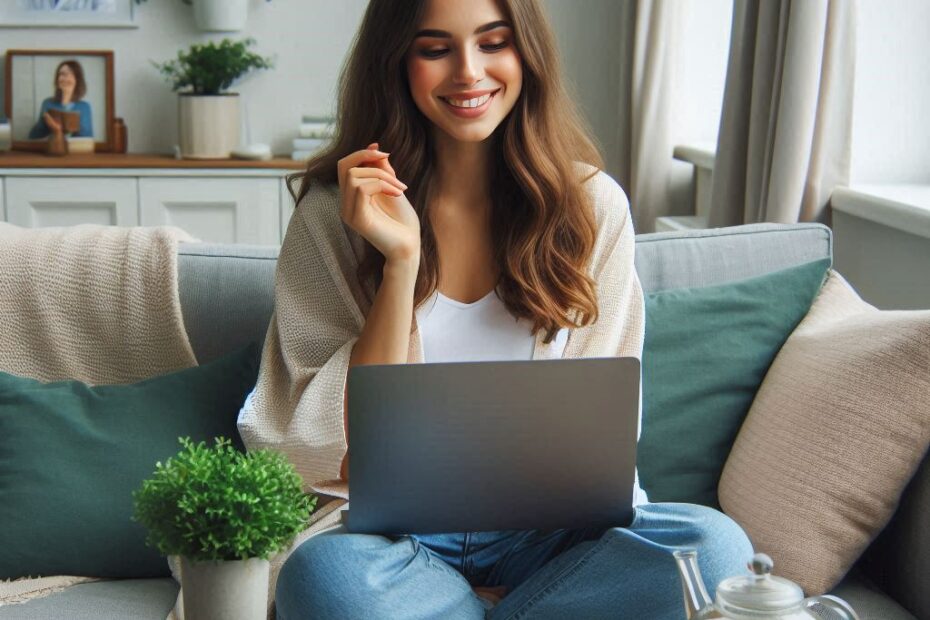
226	298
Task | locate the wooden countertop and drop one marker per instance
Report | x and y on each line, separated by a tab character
26	159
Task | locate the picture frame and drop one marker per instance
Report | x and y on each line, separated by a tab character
30	88
67	14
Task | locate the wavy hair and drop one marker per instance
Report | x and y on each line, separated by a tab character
543	226
80	86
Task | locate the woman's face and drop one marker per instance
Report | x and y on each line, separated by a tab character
66	79
464	70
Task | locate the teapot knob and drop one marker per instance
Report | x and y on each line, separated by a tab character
761	564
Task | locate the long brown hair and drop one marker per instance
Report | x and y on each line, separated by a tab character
542	222
80	86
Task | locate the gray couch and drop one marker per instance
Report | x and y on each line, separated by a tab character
226	297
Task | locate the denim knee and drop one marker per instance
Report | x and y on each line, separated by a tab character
723	548
306	581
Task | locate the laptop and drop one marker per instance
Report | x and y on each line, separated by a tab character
484	446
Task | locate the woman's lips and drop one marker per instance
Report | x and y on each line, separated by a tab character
470	112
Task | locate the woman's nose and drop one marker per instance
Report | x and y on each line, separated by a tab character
469	68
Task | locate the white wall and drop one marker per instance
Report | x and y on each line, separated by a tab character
891	108
309	37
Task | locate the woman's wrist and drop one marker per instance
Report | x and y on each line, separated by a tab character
402	269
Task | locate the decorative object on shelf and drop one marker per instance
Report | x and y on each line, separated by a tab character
6	136
314	133
120	136
218	15
208	117
225	512
66	14
40	82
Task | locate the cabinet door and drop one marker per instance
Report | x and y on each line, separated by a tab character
216	210
65	201
287	204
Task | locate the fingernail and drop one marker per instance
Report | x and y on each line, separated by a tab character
404	184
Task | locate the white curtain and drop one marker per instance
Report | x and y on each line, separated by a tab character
649	33
785	128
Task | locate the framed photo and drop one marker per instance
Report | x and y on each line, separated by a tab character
66	14
41	84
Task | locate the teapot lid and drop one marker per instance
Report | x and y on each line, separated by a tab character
760	591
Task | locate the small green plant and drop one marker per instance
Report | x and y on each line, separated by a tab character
211	68
222	504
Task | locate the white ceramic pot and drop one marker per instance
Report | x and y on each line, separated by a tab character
220	15
236	590
208	125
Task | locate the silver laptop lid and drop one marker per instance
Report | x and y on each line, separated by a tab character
478	446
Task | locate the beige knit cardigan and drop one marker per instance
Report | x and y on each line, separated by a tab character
320	310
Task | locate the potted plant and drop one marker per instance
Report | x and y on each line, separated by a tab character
218	15
225	512
208	117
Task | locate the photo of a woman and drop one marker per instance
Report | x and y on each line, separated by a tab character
70	89
461	214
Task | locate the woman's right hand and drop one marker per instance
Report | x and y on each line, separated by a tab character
374	205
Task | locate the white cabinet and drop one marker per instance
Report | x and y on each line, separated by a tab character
51	201
245	205
224	210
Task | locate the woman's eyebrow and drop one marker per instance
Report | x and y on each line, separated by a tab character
442	34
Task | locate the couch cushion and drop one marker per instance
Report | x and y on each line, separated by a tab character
71	455
227	294
705	353
139	599
719	255
835	433
868	601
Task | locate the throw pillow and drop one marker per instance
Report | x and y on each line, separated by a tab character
838	428
705	353
71	455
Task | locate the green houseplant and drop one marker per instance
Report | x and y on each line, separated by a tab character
208	115
225	512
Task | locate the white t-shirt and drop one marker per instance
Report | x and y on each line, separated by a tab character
482	331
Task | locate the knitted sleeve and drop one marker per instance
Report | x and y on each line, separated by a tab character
297	405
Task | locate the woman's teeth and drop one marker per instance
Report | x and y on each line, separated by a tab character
470	103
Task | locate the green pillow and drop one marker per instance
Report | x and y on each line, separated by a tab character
705	354
71	456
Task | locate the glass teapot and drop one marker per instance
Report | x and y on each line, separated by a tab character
758	596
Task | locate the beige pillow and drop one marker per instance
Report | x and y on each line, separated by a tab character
837	429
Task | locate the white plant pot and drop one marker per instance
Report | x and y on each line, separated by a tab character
220	15
236	590
208	125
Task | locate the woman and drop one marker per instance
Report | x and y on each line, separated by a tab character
70	89
487	232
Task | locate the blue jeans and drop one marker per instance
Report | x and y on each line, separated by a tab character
583	573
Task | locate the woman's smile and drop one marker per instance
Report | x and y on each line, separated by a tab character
473	107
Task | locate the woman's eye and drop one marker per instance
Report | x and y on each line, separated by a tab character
432	53
495	46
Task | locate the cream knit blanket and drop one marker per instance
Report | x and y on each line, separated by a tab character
95	303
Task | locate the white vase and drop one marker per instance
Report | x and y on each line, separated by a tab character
208	125
220	15
235	590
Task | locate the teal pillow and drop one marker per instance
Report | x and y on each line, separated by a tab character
705	354
71	456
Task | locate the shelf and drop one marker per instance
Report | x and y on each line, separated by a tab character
30	160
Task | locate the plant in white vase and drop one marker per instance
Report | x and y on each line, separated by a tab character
225	513
208	115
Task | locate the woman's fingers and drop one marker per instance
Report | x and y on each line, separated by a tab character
355	159
363	173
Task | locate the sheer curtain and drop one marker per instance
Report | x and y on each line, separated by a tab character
785	129
649	32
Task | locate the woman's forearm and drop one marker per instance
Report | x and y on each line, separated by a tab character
385	338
